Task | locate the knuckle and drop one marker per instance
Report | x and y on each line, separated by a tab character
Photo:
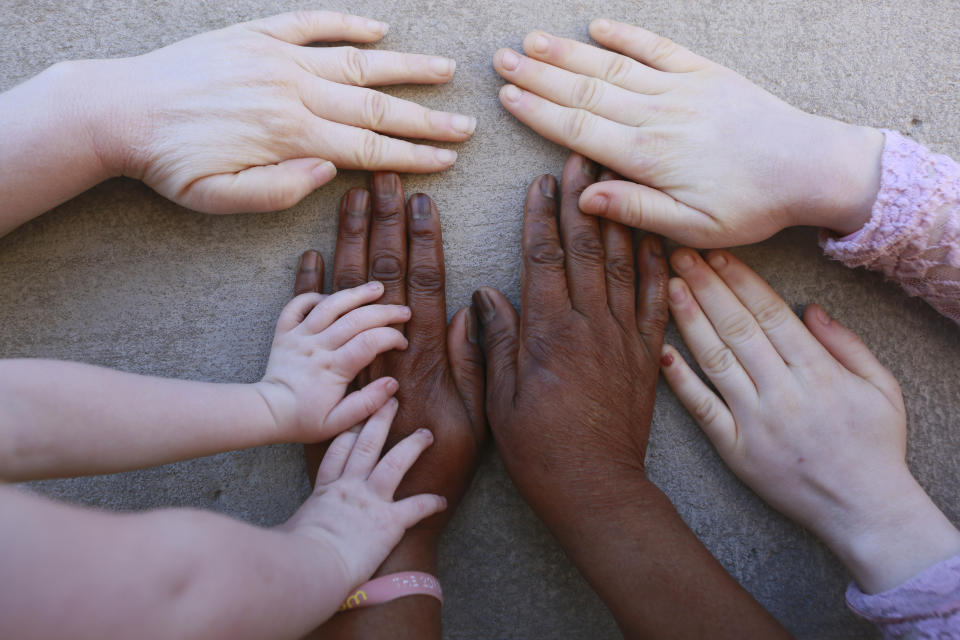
546	253
718	360
662	48
356	66
704	410
616	69
738	328
587	92
386	267
770	314
425	278
372	149
587	247
367	448
620	270
348	279
374	108
576	125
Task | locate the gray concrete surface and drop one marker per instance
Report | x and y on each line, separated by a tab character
122	278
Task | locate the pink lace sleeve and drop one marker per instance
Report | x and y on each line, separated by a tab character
926	606
913	235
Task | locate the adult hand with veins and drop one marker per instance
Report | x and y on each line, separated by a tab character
441	379
571	384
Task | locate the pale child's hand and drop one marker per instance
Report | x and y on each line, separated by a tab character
810	420
352	511
321	344
710	159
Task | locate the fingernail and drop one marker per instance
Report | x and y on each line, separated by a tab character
510	93
463	124
718	260
442	66
392	385
443	503
589	168
377	26
425	432
308	261
445	156
509	60
385	184
420	208
676	292
374	285
597	204
323	173
548	186
666	359
541	44
358	201
683	260
473	334
656	246
485	306
822	316
602	26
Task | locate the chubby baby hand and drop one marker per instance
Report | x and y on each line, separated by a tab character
321	344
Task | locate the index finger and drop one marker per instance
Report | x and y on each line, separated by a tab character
544	278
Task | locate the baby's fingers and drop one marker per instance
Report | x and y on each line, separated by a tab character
366	451
387	475
412	510
360	404
360	351
707	409
297	309
334	306
335	459
360	320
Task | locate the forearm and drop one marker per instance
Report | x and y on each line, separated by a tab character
653	574
62	419
165	574
408	618
48	151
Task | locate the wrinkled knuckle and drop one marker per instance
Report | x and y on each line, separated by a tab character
576	125
771	314
348	279
738	328
386	267
587	92
617	69
662	49
704	410
356	66
620	270
425	279
367	448
587	247
718	360
546	253
374	109
372	149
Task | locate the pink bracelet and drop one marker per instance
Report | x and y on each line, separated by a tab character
393	586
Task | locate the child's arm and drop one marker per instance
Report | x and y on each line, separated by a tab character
199	122
809	419
191	574
67	419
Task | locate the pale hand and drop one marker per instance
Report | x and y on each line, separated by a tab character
810	420
249	119
714	160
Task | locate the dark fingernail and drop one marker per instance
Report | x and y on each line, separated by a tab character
548	186
473	333
484	305
656	246
308	261
420	208
589	168
386	184
358	201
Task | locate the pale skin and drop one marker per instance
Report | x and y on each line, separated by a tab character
60	419
256	134
809	419
708	158
191	574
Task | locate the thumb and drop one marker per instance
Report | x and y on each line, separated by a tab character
501	329
263	188
643	207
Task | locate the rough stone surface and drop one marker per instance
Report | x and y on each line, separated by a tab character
121	277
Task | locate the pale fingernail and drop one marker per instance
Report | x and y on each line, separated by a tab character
463	124
377	27
602	25
392	386
718	261
541	44
425	432
510	93
676	291
683	260
822	316
374	285
597	204
323	173
445	156
509	60
442	66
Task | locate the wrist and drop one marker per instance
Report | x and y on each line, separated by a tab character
417	551
899	536
840	192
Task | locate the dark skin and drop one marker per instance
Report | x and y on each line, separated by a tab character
382	237
571	384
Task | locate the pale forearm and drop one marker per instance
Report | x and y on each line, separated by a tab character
48	151
62	419
165	574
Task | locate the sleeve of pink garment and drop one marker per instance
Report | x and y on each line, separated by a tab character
926	606
913	235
